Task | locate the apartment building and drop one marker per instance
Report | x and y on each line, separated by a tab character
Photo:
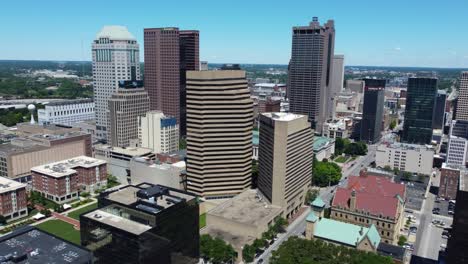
406	157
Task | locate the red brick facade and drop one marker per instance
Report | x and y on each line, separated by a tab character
6	206
448	183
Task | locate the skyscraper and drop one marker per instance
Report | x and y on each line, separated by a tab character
310	71
420	101
158	132
336	82
219	133
285	155
169	53
438	120
125	106
115	58
372	114
462	101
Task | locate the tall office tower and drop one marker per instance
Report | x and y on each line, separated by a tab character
458	242
310	71
462	101
169	53
125	106
284	157
338	74
158	132
115	58
372	114
219	133
438	120
420	101
336	82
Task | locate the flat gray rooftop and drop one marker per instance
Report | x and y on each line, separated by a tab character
117	222
246	208
31	245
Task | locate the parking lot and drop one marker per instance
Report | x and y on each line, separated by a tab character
415	195
443	208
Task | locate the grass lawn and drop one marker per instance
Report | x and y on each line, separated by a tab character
341	159
76	214
61	229
202	220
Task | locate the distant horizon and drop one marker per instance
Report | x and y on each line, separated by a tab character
274	64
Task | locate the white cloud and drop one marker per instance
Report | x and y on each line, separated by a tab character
397	49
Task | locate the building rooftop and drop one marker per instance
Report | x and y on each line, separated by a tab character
7	185
70	102
270	85
247	208
344	233
321	142
67	167
102	216
281	116
318	202
148	197
129	151
392	251
115	33
31	245
376	195
405	146
15	148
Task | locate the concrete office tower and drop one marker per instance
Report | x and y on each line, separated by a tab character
338	73
219	133
372	114
356	86
310	71
462	101
420	101
285	155
158	132
125	106
115	58
169	53
438	120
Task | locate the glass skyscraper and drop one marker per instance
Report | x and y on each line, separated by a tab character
420	102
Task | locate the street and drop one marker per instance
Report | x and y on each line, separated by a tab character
297	227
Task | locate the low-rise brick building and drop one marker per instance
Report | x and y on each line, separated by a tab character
13	202
449	177
63	181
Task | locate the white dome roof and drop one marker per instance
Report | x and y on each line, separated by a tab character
31	107
115	33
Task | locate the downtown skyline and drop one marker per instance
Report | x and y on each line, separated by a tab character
246	32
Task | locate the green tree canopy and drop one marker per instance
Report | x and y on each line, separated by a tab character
325	173
301	251
216	250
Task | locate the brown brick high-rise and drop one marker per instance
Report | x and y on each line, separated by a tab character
169	53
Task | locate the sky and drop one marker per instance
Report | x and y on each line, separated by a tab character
425	33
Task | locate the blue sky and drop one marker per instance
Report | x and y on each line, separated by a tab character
383	33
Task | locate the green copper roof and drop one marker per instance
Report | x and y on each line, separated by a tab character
344	233
320	142
373	235
255	137
318	202
311	217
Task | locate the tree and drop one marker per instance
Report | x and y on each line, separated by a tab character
325	173
311	195
297	250
340	145
387	168
216	250
355	149
279	225
402	240
182	143
393	124
248	253
406	176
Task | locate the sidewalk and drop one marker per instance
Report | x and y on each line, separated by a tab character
67	219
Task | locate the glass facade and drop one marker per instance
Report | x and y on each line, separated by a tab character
372	114
420	101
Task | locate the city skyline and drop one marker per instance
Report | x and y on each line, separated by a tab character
367	34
